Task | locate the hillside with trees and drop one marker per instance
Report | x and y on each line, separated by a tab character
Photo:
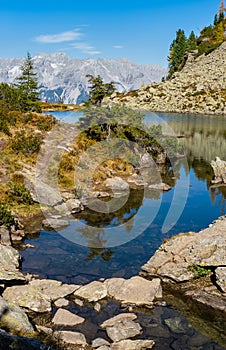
209	39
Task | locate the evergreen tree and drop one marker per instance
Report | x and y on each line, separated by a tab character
176	56
28	82
192	42
98	90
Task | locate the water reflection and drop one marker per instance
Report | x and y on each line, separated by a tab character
137	226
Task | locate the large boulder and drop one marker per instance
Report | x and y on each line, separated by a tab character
14	319
176	260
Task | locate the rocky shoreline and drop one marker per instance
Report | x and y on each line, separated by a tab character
190	266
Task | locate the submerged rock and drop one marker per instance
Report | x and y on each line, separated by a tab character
122	327
66	318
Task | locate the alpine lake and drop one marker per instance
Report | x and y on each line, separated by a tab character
102	245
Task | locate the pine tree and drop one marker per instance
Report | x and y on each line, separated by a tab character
176	56
98	90
28	82
192	42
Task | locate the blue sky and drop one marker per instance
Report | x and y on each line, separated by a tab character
140	30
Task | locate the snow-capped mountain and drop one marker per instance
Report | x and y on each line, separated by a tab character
63	78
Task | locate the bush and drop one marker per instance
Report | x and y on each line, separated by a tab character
26	143
20	194
6	218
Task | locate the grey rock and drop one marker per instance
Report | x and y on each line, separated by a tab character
45	330
5	236
116	183
175	325
3	306
133	345
54	289
123	330
96	343
9	265
29	298
38	294
135	290
66	318
15	320
118	319
68	337
122	327
205	248
93	291
74	206
220	273
61	302
219	168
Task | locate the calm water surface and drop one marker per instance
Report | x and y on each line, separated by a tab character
60	256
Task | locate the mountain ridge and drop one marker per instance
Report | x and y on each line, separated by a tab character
64	78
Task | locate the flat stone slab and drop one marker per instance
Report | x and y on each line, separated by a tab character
133	345
93	291
123	330
66	318
29	298
68	337
135	290
117	319
38	294
122	327
54	289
